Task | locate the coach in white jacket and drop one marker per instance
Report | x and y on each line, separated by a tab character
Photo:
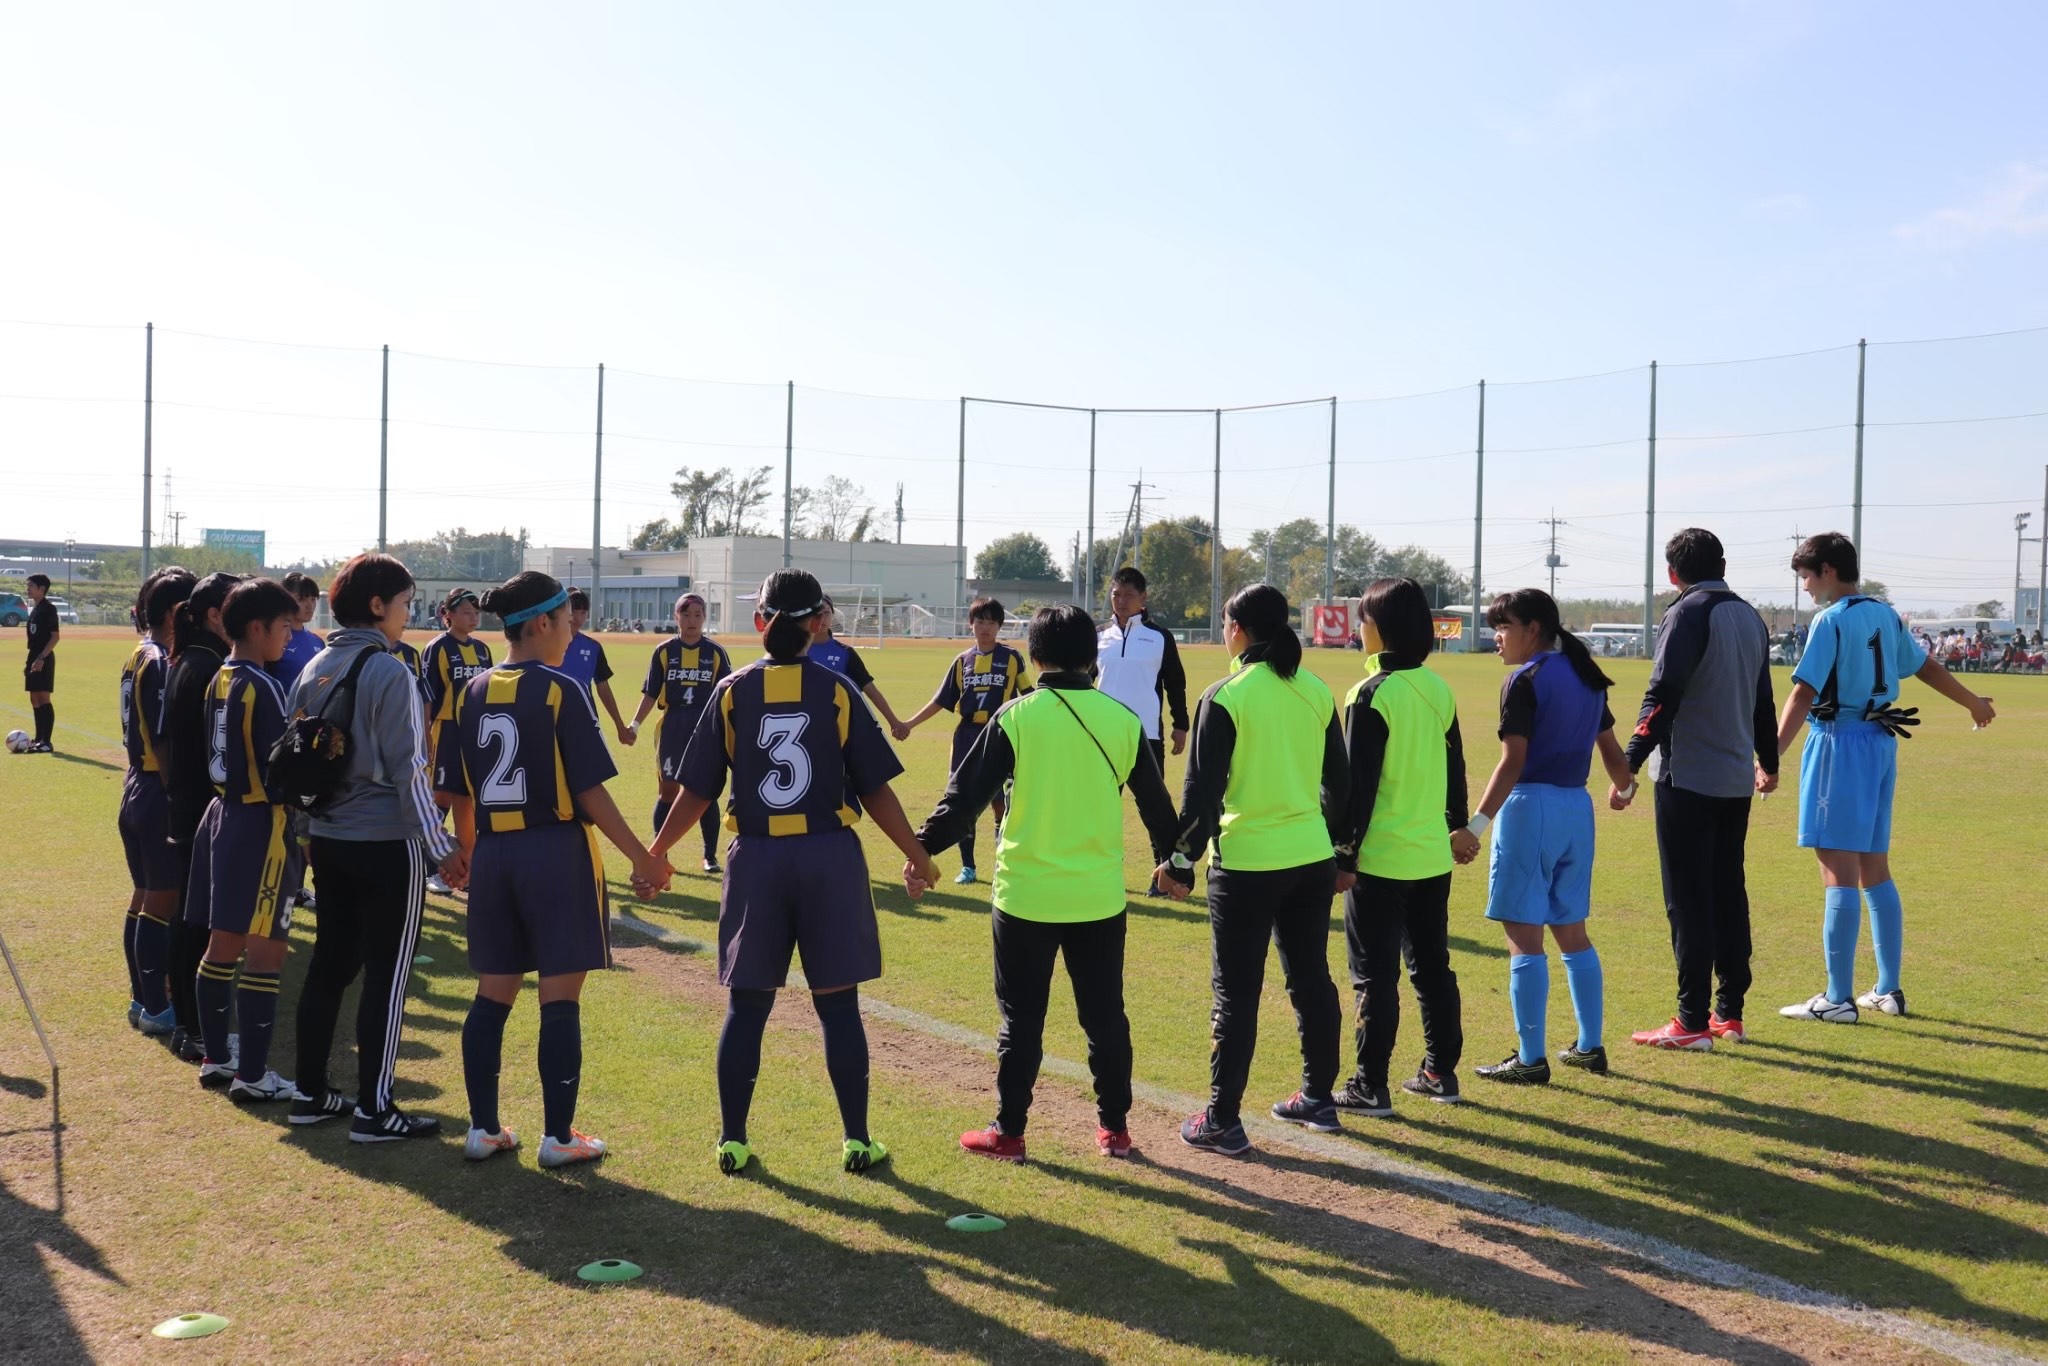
1140	665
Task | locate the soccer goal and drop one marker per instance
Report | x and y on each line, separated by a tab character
860	616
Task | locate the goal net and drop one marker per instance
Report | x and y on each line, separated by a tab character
860	616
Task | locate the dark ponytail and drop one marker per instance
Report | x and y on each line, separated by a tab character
161	595
1534	606
518	593
1261	612
789	599
190	618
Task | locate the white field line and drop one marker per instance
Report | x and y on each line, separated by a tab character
1670	1256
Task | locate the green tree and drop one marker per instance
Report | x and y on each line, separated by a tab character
836	510
1020	555
660	534
1875	588
1994	607
482	556
125	566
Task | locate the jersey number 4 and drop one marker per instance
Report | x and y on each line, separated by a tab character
790	779
506	785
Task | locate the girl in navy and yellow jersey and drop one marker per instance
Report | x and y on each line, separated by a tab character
145	818
450	660
979	683
680	676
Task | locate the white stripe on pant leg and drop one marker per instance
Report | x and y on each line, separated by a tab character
401	972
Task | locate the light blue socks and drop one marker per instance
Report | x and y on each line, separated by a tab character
1838	939
1582	977
1887	933
1529	995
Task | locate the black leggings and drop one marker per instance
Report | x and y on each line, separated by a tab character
1383	919
371	896
1291	907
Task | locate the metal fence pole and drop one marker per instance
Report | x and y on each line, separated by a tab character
1856	518
1650	524
597	500
1478	522
384	457
2040	602
148	415
1088	556
960	514
788	472
1216	541
1330	527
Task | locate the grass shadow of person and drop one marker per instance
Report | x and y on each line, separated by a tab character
43	1327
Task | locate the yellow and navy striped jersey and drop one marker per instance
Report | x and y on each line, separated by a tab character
245	711
680	677
445	667
799	744
142	702
526	743
979	683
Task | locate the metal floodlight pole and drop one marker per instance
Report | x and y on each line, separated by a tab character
1330	526
1650	523
1088	553
148	414
960	514
788	472
2041	601
2019	542
1856	518
597	496
1216	540
384	457
1478	519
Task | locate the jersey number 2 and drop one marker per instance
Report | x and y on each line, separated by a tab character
507	784
787	783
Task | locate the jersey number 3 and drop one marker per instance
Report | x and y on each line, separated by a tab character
506	786
790	779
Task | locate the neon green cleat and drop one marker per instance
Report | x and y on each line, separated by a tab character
859	1157
733	1157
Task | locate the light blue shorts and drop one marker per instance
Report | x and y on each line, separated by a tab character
1847	770
1541	871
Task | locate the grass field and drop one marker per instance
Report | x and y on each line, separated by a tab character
1899	1164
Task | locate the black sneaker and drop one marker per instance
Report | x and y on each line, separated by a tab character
1198	1130
312	1109
1361	1098
188	1047
1512	1069
1593	1060
393	1126
711	868
1303	1109
1441	1087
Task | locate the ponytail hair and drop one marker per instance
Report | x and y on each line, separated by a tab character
789	599
521	593
1260	611
161	595
209	593
254	601
1534	606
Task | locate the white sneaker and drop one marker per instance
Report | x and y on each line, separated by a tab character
216	1076
271	1087
579	1148
1890	1002
1821	1008
480	1145
438	887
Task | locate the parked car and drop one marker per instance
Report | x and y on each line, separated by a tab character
67	615
13	609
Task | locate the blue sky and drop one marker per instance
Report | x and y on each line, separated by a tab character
1110	205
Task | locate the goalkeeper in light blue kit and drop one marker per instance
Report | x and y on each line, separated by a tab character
1847	685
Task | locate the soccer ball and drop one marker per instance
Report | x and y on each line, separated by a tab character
17	742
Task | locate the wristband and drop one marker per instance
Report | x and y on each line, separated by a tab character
1179	862
1479	824
1628	794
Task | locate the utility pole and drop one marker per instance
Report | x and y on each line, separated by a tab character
1138	522
1796	539
899	514
1551	559
2019	541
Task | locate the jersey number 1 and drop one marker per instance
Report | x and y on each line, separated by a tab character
1878	686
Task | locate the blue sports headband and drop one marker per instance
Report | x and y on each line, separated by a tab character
540	609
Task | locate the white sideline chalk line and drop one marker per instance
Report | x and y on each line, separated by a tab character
1458	1190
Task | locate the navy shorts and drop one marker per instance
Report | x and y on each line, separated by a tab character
807	893
241	865
40	680
537	902
145	824
676	729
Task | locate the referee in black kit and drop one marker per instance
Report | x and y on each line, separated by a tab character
39	675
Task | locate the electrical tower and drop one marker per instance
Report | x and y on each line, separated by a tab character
1552	560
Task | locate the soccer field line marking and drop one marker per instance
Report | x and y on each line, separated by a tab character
108	740
1458	1190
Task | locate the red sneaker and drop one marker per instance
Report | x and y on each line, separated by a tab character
1675	1035
1113	1142
993	1142
1728	1031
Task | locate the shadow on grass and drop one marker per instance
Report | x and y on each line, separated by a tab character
1952	1085
68	757
43	1329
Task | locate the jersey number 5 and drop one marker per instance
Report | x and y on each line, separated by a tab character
787	783
217	749
506	786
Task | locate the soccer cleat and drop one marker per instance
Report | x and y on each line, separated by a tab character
39	747
1363	1098
857	1156
1592	1060
187	1046
733	1156
306	902
480	1145
1889	1002
711	868
269	1087
135	1014
215	1076
1514	1071
966	877
1198	1130
1672	1034
160	1025
312	1109
437	886
993	1142
581	1147
1441	1087
1300	1108
1110	1142
393	1126
1821	1008
1727	1031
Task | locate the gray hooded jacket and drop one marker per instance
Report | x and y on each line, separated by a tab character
385	794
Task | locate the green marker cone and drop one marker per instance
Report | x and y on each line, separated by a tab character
190	1326
975	1223
610	1269
420	960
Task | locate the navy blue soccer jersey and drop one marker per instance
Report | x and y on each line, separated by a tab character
526	743
799	745
585	661
836	655
1857	654
298	653
1546	702
978	684
446	666
680	677
245	716
142	703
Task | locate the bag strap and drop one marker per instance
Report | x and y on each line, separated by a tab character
1091	735
348	685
